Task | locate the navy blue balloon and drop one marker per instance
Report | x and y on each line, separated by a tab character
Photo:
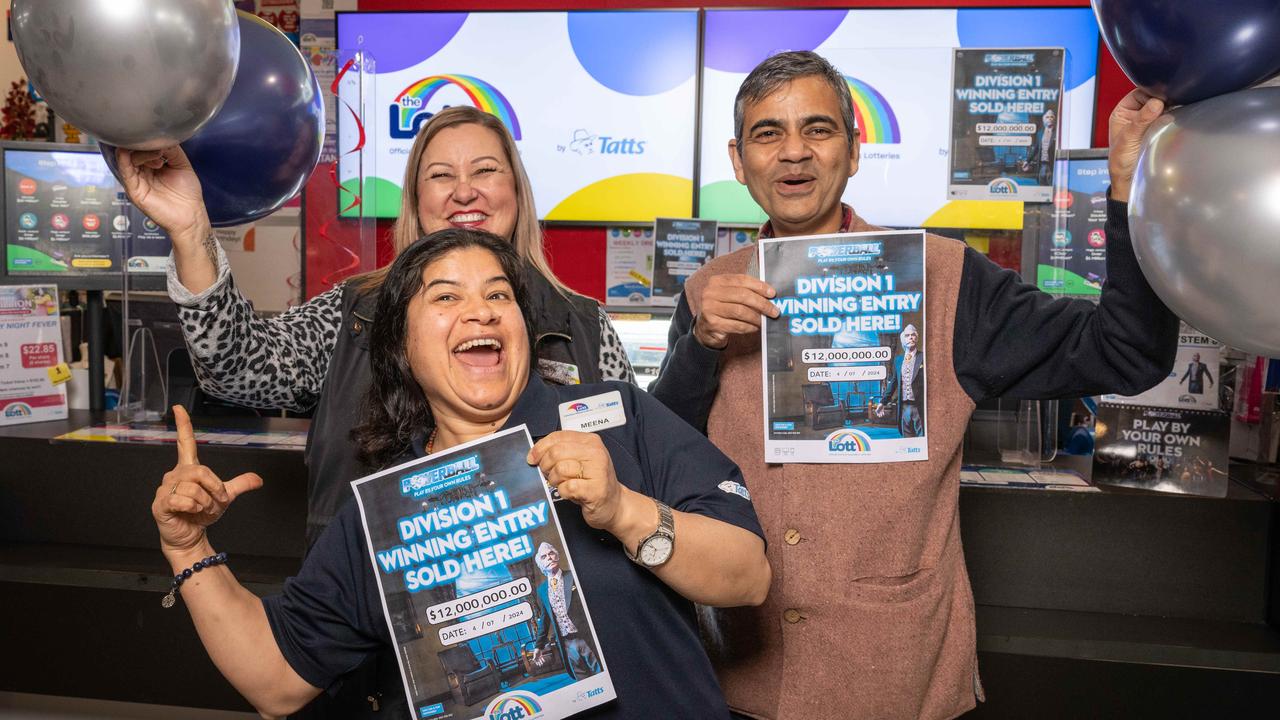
1188	50
260	149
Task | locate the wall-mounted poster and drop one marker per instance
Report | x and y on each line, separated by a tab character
680	248
478	588
844	370
601	104
1005	104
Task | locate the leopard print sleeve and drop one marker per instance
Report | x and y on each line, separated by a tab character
238	356
614	364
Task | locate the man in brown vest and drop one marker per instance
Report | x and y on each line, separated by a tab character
871	612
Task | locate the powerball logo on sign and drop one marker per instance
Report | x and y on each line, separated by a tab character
1002	186
848	442
409	109
513	706
441	477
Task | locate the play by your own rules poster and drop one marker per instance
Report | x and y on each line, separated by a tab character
844	362
1005	106
477	607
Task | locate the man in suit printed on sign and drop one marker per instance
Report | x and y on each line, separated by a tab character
561	617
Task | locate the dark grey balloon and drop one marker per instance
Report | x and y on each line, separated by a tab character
1204	215
141	74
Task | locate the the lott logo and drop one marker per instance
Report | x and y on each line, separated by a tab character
579	407
514	706
1002	186
409	109
17	410
849	441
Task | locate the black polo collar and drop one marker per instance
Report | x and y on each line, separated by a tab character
537	407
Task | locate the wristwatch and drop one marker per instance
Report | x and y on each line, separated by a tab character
657	548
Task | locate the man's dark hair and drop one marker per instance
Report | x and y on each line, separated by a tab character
780	69
395	407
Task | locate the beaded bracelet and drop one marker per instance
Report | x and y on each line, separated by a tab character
182	577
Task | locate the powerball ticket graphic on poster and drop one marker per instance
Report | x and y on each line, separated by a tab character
844	363
478	587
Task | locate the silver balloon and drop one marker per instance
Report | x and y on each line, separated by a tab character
142	74
1204	215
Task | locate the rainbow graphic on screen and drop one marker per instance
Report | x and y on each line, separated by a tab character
848	441
875	118
408	108
513	706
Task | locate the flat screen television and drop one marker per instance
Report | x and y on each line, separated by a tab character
1069	235
602	104
898	64
66	220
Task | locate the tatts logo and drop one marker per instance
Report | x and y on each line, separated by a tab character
513	706
875	118
1002	186
848	442
409	110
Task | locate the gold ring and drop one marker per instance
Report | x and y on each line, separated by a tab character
173	489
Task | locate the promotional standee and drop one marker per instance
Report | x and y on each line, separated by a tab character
844	370
32	371
629	266
1005	110
1070	234
1173	437
477	586
680	248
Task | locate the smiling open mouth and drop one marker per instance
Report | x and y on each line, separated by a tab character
471	218
480	352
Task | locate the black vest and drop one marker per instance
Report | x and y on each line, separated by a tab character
566	334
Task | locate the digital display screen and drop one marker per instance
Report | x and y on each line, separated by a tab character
65	214
602	105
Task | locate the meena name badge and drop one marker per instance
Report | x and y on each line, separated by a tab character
32	371
844	363
593	414
453	539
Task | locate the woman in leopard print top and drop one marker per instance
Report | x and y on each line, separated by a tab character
463	170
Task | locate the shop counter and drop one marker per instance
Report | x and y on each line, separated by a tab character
1169	603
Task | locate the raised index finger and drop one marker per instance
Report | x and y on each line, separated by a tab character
186	436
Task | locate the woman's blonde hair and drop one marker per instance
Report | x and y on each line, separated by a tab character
527	235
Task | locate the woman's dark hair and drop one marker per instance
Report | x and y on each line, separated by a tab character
395	407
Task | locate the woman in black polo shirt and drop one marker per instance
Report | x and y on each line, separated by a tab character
452	364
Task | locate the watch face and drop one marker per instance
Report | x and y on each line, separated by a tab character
656	550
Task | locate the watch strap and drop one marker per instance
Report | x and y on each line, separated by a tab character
666	528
